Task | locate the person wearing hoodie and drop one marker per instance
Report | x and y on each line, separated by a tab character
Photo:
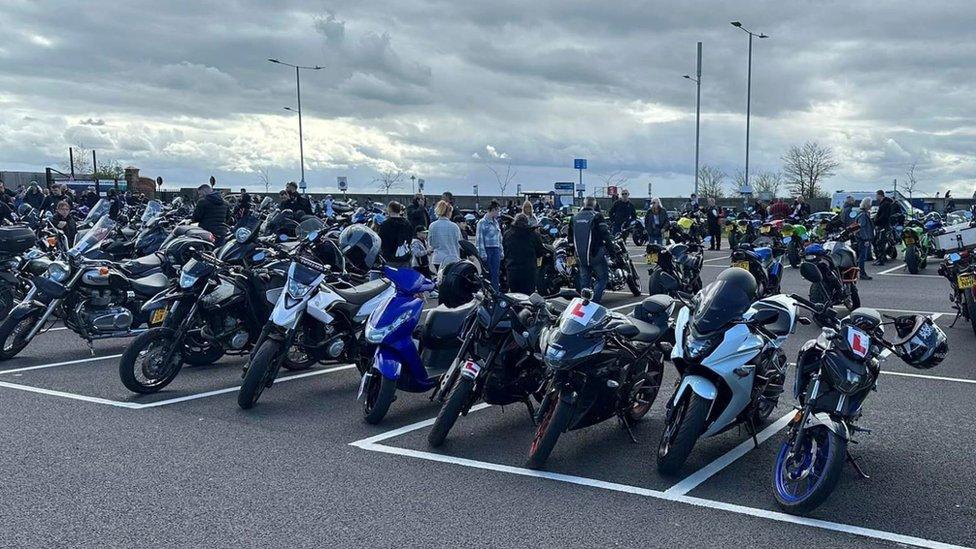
210	212
34	196
523	248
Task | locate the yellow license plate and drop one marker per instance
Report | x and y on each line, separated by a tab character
741	264
651	258
909	241
965	281
570	261
158	316
764	230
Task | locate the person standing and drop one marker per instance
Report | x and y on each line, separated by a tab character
590	235
622	212
523	248
865	234
845	212
882	224
529	212
444	237
488	238
297	203
395	236
62	220
656	221
328	205
243	205
420	252
210	213
417	212
712	215
692	206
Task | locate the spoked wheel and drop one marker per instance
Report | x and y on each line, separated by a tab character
553	420
13	334
297	358
643	394
150	362
380	393
803	480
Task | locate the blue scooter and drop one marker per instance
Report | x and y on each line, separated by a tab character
400	362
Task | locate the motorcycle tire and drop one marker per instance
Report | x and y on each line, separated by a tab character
643	394
830	472
855	298
794	256
140	347
681	433
549	280
639	239
199	352
633	282
552	422
260	373
971	307
16	328
8	299
911	259
380	394
449	412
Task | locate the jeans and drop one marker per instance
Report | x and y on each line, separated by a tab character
659	240
596	269
494	261
864	250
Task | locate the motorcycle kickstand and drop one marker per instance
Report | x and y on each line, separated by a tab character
91	347
630	432
857	467
751	427
956	319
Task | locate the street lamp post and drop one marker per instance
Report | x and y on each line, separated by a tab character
298	87
697	81
748	89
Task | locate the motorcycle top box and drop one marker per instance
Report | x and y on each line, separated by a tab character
956	237
16	239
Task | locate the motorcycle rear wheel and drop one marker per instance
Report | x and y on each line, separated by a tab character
971	308
822	461
911	259
449	412
147	346
260	373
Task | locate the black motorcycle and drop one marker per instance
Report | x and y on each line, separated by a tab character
683	262
837	263
212	310
634	229
959	270
621	269
835	374
603	365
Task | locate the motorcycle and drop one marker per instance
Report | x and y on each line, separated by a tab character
918	243
837	263
399	362
212	310
635	229
795	238
728	351
621	269
958	269
603	365
683	262
95	299
765	263
835	374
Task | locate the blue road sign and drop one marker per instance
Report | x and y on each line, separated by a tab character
579	164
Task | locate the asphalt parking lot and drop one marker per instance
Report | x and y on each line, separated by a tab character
86	463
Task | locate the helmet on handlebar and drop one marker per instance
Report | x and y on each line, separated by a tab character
921	343
361	246
458	283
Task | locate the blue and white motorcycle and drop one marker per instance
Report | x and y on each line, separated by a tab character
728	351
402	362
765	263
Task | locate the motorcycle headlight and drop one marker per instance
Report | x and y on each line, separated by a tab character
553	353
376	334
57	271
187	280
297	290
699	347
242	234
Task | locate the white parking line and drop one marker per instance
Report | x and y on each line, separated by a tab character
56	364
891	272
373	444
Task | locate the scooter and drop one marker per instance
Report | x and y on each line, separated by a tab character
400	363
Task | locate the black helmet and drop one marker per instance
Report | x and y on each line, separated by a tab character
741	278
458	283
921	343
361	246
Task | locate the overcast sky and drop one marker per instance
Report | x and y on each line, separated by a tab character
183	89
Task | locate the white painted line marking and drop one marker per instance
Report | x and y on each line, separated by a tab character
371	444
692	481
934	378
72	396
717	259
56	364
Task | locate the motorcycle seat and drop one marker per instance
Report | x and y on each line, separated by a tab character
646	332
357	295
444	323
142	264
150	285
656	304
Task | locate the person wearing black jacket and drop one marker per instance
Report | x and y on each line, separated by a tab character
882	222
590	235
243	204
210	212
656	222
51	201
396	233
714	228
62	220
417	212
622	211
297	203
523	248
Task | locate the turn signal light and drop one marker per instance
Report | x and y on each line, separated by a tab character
103	271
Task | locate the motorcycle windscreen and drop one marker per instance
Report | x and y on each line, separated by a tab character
153	209
579	316
718	304
98	233
99	210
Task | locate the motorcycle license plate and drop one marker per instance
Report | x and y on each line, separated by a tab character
741	264
651	258
764	230
966	281
570	261
158	316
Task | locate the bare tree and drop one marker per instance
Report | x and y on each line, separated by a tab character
711	182
389	179
80	160
614	179
767	184
264	177
912	181
805	168
500	165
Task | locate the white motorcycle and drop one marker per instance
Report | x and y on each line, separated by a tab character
728	352
314	319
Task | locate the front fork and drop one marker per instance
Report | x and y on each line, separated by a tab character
447	380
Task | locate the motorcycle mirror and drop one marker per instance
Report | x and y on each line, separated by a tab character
313	236
765	316
810	272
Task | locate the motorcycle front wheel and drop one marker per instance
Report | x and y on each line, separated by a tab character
633	281
802	481
553	420
142	368
260	374
13	333
447	416
380	393
681	433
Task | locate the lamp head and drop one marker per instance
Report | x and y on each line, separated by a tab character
736	24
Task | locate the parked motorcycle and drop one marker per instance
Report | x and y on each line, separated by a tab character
634	229
918	243
795	238
837	263
603	365
681	261
728	351
835	374
765	263
958	269
621	269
